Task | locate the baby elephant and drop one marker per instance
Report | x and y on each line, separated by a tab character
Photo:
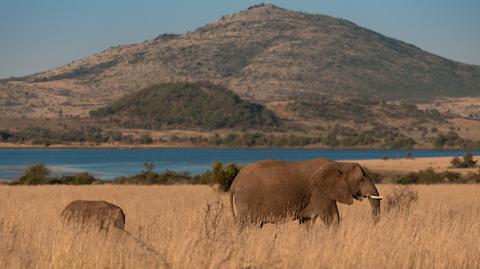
99	214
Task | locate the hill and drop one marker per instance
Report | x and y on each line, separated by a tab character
186	106
265	76
263	54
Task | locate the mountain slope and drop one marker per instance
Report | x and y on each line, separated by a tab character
263	54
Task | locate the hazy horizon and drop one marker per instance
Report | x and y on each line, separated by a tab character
38	35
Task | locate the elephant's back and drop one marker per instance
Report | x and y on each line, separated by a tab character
268	166
83	205
280	165
85	211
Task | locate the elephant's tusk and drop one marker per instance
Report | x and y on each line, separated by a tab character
376	197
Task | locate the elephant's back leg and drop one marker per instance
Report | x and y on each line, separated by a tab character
244	208
119	218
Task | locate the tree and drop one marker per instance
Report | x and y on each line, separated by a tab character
439	141
468	160
146	139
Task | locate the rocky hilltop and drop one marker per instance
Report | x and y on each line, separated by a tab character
264	54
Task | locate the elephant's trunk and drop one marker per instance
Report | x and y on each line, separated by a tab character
375	204
374	198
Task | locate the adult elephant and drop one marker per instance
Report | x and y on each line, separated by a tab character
271	191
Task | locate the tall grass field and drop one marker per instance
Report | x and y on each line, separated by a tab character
184	226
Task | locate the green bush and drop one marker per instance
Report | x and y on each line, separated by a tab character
405	180
77	179
429	176
149	177
467	162
83	178
5	135
473	177
456	162
203	179
35	174
224	177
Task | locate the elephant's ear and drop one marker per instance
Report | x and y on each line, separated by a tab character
331	180
354	174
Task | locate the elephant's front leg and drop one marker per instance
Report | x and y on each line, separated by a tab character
308	222
330	213
322	207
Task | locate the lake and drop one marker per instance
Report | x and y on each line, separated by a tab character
110	163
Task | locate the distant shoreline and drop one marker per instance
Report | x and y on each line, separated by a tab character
179	145
100	146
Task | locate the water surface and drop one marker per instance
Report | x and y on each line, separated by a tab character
110	163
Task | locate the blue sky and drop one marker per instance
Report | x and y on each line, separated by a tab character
36	35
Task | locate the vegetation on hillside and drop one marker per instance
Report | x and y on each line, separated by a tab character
379	136
187	105
453	140
386	137
338	136
361	110
329	122
66	135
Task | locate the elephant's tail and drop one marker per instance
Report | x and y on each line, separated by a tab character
232	202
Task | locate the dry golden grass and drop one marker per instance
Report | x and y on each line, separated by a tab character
440	231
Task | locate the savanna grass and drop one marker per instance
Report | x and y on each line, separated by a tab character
192	227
